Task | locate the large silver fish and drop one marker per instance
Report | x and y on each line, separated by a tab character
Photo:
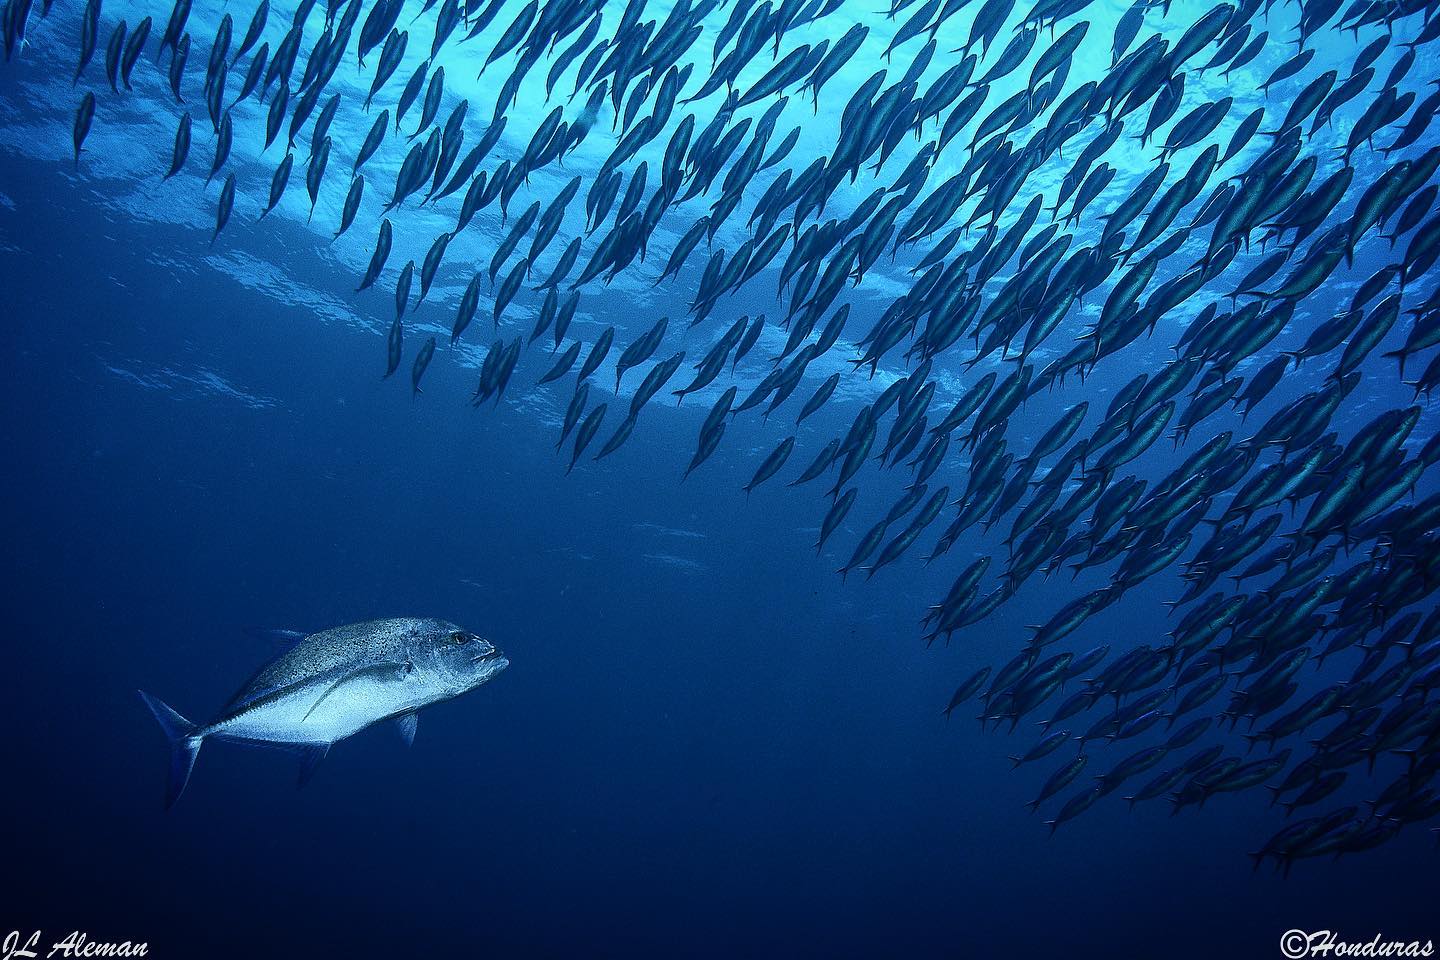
332	684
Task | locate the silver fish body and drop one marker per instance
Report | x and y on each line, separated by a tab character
335	683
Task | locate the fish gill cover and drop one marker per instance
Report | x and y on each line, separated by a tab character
1067	291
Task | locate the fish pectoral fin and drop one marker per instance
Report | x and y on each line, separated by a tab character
393	671
310	756
406	724
321	699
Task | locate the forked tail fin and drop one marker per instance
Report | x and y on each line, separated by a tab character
184	746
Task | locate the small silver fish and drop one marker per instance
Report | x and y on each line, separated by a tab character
332	684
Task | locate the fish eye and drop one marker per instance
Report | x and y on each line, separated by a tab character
460	636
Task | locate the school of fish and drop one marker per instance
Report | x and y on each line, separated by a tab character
1027	251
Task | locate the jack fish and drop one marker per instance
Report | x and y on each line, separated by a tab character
335	683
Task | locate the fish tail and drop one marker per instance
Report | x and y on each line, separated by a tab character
184	746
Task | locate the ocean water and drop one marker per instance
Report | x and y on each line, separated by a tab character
707	743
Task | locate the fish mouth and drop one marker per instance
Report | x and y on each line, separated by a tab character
493	657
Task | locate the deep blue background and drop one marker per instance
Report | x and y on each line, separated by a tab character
706	744
740	756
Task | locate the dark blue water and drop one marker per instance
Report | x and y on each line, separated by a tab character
707	743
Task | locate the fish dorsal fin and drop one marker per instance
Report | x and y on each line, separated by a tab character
310	756
283	641
406	724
